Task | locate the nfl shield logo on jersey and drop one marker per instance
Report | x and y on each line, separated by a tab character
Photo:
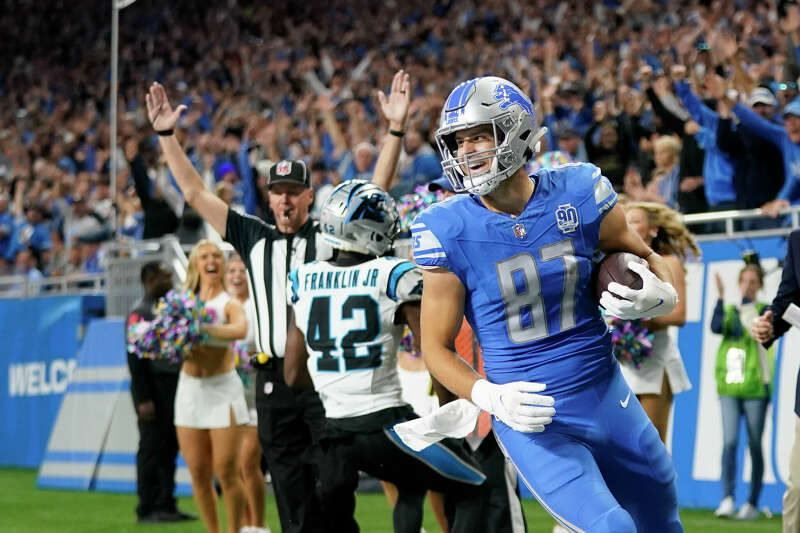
567	218
283	168
519	231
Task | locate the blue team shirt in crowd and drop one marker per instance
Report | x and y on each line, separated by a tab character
776	134
717	164
422	168
26	235
528	279
6	232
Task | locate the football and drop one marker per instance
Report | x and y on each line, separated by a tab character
614	267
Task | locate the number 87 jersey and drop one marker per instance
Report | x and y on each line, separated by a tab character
348	317
528	278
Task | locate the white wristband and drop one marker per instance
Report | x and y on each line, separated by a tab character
481	395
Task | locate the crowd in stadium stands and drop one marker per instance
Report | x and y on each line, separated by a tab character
659	94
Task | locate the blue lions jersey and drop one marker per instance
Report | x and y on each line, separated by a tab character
528	278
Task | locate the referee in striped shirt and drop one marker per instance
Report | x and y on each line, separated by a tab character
290	422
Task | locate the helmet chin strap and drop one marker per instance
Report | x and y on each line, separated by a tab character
348	246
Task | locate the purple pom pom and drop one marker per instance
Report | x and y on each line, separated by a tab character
175	329
632	342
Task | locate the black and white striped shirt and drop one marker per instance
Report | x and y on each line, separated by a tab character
264	251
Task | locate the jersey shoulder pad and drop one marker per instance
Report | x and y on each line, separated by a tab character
435	227
404	281
587	180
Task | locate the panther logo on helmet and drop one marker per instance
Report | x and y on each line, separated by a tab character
359	216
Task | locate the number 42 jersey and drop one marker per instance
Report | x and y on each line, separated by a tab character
528	278
347	314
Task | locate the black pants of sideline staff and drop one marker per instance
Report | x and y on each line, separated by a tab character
290	426
158	448
504	512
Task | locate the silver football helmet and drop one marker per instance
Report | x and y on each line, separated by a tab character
510	113
360	217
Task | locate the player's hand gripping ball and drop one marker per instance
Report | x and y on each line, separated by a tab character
628	289
614	267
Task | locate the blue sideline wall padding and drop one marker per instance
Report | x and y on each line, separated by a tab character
696	439
100	380
40	338
94	440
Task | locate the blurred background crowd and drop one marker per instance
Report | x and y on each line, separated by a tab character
658	94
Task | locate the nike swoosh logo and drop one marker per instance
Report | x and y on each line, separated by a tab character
624	404
660	301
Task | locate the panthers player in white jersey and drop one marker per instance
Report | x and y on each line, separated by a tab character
347	322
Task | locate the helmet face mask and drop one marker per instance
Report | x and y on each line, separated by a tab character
497	103
359	216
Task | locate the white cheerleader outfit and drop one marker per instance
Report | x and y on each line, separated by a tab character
665	357
206	403
249	342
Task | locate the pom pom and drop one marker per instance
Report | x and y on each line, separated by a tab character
174	331
412	204
241	356
632	342
552	159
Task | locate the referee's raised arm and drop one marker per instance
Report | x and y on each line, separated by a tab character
163	118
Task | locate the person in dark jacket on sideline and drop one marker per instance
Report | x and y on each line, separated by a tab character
153	384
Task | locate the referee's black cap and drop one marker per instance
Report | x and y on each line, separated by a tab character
289	171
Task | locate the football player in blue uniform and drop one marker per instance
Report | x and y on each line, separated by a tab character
515	257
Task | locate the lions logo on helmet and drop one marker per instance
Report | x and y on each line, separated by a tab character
360	217
503	106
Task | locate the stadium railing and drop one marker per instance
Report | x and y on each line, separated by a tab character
119	283
789	220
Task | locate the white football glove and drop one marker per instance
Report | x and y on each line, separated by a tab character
655	298
515	404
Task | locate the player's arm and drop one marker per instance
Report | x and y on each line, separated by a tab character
295	371
163	117
617	236
411	311
442	312
236	326
516	404
657	297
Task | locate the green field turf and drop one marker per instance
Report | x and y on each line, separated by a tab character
25	509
